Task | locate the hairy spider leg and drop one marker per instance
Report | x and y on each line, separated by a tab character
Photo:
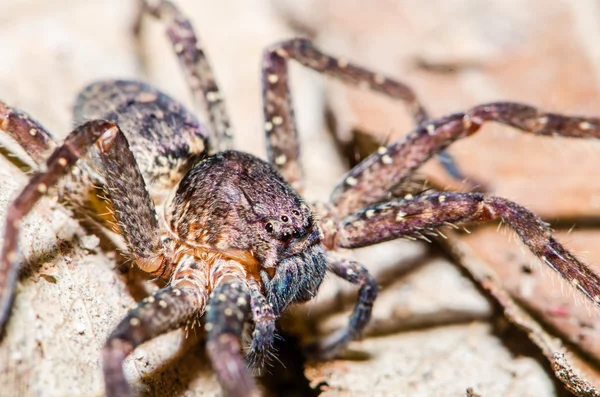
283	150
421	215
180	303
263	335
133	208
77	143
357	274
165	310
29	134
372	180
228	310
198	72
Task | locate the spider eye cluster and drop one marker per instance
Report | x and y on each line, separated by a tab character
286	227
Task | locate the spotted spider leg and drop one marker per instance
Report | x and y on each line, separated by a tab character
226	315
372	180
197	69
29	134
127	191
360	218
355	273
422	214
167	309
263	335
59	163
280	127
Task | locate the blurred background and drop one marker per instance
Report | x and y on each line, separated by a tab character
433	332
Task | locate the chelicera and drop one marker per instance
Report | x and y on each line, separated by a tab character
229	232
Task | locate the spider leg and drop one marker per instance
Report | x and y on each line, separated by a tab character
58	164
414	217
264	327
163	311
134	211
280	126
226	314
198	72
125	184
355	273
371	180
29	134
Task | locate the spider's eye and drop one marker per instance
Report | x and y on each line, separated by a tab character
285	237
269	227
296	212
284	218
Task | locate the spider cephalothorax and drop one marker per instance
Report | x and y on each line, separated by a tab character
229	233
234	201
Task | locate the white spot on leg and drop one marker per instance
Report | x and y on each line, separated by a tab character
241	301
342	63
281	160
135	322
162	304
385	159
107	138
351	181
213	96
228	312
62	161
273	78
370	213
400	216
277	120
268	126
584	125
33	132
42	188
575	282
208	326
281	52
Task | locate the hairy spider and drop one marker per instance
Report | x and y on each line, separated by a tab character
229	232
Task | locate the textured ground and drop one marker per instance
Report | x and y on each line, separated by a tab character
432	332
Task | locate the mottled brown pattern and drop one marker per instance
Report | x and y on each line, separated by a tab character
165	138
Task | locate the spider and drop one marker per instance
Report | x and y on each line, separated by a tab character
229	232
